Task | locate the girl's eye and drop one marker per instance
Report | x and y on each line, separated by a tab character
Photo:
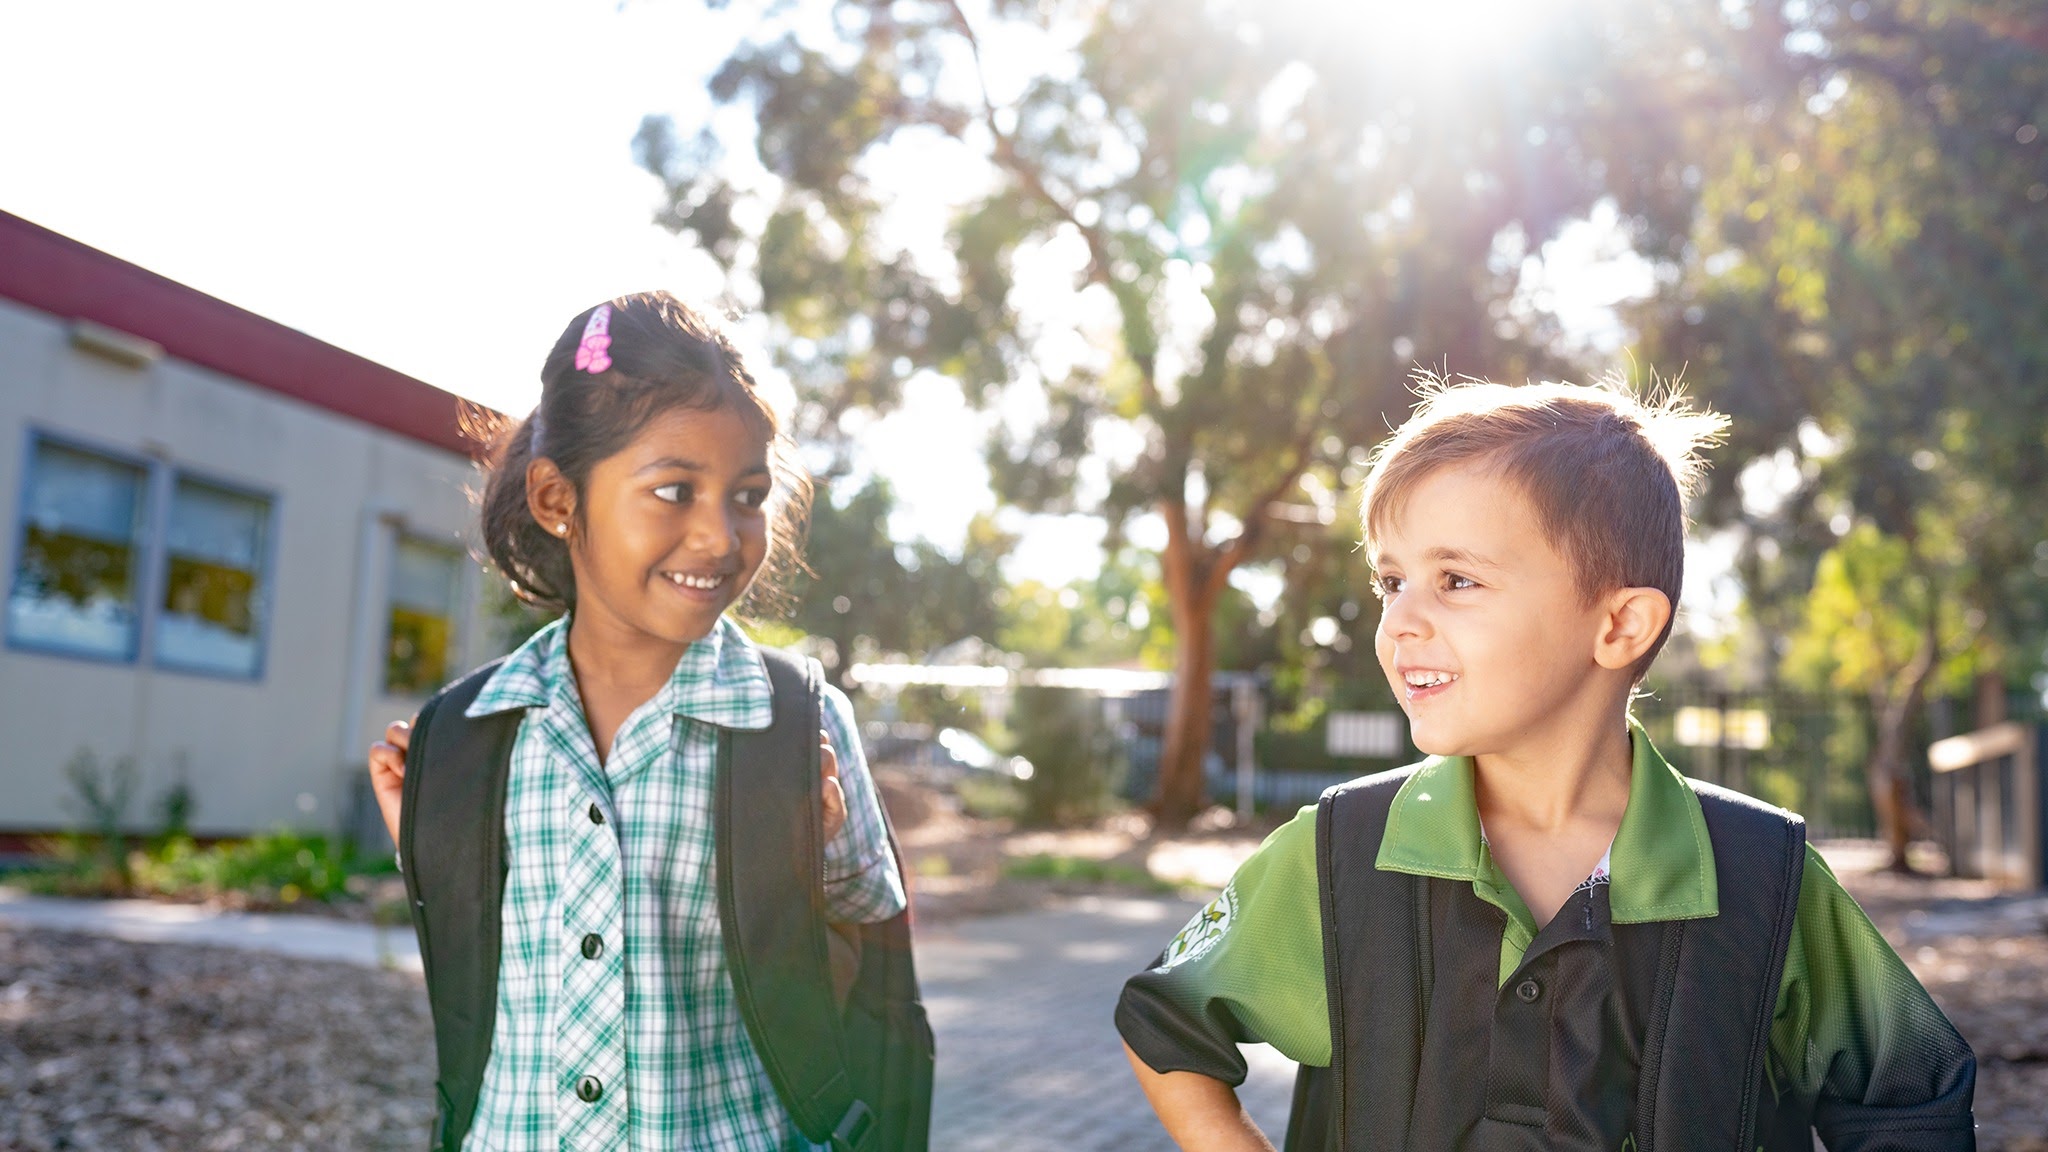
1456	583
675	493
752	497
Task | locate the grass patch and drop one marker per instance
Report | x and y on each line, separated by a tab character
990	797
1084	869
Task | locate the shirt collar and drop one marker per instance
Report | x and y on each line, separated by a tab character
720	679
1662	864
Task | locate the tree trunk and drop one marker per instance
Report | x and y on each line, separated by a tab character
1189	712
1194	575
1895	701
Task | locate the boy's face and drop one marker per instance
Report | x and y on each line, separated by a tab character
1483	635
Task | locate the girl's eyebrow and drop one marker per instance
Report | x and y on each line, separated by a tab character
678	464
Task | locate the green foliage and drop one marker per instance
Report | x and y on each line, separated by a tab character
1073	755
868	594
1871	218
100	798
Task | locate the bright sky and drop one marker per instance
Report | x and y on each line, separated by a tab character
440	184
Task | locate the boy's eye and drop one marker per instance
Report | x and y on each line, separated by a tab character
1456	583
1386	586
678	493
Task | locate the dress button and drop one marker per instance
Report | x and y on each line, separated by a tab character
593	946
1528	990
596	817
588	1090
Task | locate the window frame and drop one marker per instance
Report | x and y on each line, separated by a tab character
266	574
459	609
143	545
152	547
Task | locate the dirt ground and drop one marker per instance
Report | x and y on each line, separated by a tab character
112	1045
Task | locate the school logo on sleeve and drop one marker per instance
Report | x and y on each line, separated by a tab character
1203	932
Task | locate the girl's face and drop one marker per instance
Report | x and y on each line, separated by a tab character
674	525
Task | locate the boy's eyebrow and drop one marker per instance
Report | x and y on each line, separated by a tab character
1463	557
1460	556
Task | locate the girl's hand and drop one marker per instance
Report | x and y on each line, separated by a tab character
387	772
835	800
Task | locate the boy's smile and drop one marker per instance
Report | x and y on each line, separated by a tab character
1484	636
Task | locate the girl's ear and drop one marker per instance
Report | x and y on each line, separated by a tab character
550	497
1633	620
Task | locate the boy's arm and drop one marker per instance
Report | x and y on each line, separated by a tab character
1247	968
1200	1113
1857	1034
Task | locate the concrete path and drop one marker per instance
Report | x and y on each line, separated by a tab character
1029	1060
147	921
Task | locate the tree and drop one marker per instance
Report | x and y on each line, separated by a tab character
1856	299
867	594
1264	232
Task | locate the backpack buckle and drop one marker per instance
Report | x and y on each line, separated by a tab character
854	1128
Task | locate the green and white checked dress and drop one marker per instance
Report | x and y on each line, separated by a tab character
617	1027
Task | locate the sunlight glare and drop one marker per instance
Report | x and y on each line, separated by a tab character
1433	34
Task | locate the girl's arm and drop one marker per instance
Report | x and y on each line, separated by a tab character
862	884
387	772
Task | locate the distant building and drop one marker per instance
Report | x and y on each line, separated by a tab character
232	551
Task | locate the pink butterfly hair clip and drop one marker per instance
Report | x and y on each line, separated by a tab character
593	355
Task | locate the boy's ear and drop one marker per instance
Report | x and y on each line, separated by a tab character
1633	620
550	498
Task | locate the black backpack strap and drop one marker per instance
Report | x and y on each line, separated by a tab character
771	902
1373	922
451	842
1717	991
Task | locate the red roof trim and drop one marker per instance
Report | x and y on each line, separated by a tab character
57	274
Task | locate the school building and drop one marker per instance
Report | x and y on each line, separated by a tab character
232	551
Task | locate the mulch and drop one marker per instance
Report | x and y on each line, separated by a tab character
106	1044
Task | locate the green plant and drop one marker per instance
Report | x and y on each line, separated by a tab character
1083	869
101	799
1072	755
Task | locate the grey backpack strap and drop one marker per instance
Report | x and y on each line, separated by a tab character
1717	991
771	902
451	841
1373	922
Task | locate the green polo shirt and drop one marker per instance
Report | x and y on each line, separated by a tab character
1249	966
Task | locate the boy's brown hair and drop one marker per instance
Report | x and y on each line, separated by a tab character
1607	472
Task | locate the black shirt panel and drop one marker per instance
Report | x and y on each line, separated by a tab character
1560	1040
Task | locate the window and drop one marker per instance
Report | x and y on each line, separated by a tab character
76	582
215	546
425	588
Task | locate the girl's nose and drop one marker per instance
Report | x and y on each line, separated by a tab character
713	531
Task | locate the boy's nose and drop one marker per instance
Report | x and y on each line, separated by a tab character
1402	619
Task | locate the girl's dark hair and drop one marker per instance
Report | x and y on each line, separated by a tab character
663	356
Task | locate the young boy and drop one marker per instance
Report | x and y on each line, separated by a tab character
1541	937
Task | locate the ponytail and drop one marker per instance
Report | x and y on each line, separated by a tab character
536	560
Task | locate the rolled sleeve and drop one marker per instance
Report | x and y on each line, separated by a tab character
1248	968
862	883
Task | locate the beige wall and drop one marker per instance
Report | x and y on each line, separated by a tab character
254	750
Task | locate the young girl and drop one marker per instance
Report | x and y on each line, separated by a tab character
642	497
